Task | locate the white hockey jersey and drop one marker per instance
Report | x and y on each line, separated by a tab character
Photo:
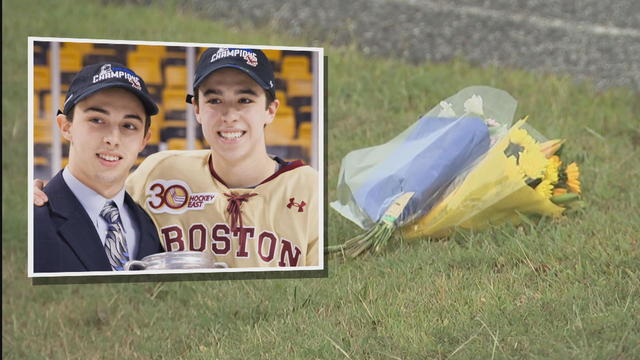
274	224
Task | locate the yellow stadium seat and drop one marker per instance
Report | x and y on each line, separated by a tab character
42	132
281	96
296	61
176	144
36	106
175	55
181	144
147	66
299	88
154	132
295	67
174	99
40	161
174	123
103	52
41	77
281	131
70	60
153	50
305	131
273	55
284	110
175	77
83	48
159	117
296	73
48	109
157	122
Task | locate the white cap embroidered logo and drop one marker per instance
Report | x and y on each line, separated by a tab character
252	59
107	72
249	56
106	68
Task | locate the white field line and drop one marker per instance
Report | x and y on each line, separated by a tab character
541	22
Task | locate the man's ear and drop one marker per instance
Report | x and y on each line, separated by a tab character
271	111
65	126
196	110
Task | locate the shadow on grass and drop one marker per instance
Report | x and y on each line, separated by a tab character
135	278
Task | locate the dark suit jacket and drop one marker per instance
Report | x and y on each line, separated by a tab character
65	240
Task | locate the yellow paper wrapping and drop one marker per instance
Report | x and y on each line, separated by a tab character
492	193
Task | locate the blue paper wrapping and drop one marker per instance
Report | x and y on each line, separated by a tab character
435	152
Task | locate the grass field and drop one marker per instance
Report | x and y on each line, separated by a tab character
566	288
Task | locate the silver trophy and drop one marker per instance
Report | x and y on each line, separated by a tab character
176	260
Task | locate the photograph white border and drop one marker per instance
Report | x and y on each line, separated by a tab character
319	87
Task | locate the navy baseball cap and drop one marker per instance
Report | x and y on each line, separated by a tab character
96	77
252	62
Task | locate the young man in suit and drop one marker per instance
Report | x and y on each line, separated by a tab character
90	223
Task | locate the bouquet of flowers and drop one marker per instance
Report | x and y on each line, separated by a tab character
446	170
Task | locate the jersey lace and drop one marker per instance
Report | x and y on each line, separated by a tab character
233	207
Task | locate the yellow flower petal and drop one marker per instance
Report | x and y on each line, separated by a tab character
532	162
521	137
551	172
573	173
545	189
555	160
574	186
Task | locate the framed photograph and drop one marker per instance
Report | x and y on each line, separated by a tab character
162	157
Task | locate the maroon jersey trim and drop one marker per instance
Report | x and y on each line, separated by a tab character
288	167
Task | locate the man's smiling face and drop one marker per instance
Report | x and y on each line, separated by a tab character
233	112
106	135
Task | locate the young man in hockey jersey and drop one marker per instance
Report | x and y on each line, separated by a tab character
235	200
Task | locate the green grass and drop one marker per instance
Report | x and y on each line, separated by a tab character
566	288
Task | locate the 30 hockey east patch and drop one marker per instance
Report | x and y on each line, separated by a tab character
175	197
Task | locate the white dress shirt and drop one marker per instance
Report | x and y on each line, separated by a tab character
92	202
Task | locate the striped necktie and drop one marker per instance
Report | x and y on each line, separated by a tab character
115	244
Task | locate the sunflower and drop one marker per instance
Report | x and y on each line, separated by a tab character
545	189
521	137
573	173
555	160
532	162
551	172
527	152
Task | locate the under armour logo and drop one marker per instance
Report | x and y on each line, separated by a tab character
300	205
